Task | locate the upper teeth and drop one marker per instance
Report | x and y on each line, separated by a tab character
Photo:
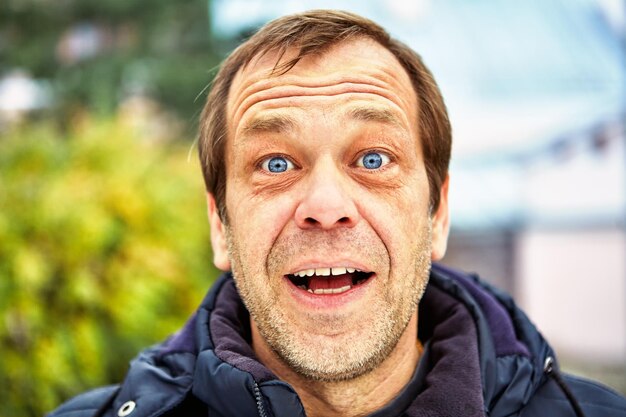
324	272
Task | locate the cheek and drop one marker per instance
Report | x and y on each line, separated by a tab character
398	218
257	221
405	207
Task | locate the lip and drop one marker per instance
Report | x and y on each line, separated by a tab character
307	300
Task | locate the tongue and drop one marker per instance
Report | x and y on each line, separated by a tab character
330	282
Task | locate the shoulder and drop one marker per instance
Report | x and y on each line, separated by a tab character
87	404
594	398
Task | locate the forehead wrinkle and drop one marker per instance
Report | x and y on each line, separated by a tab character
261	87
285	98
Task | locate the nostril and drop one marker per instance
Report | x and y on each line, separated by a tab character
311	221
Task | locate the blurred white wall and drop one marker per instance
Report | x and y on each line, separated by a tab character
572	285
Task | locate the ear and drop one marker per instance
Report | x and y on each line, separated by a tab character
441	224
218	236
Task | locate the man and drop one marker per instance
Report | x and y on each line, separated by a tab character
325	147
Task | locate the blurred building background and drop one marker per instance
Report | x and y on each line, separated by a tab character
537	97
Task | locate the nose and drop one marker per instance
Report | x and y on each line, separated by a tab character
327	202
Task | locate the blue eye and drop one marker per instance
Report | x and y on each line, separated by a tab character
372	160
277	164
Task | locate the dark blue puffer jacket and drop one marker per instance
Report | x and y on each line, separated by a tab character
482	357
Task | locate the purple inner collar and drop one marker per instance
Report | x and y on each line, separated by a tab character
230	331
501	328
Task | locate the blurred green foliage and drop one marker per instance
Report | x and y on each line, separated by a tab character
160	48
104	249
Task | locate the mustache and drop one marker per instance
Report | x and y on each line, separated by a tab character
361	245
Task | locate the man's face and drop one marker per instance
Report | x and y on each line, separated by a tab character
329	234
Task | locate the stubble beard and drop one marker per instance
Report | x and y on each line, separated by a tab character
343	357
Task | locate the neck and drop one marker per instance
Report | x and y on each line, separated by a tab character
355	397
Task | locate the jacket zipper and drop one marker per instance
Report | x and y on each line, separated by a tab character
259	400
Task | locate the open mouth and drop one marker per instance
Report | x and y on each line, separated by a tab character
335	280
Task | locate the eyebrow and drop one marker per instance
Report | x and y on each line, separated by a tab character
273	123
373	114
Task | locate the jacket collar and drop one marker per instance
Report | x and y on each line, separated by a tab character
511	350
447	382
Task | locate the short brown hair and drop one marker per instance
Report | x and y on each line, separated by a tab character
313	32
